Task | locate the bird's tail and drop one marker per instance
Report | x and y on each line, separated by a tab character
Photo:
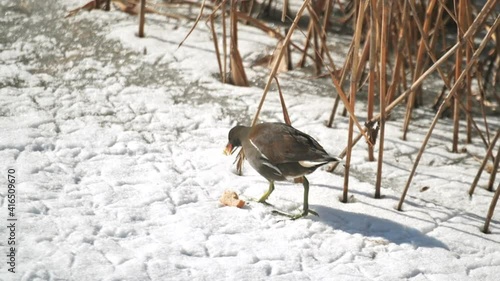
318	163
334	159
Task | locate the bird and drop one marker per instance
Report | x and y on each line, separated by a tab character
279	152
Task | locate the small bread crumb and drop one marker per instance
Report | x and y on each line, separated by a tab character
230	198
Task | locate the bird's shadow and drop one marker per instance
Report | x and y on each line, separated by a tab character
371	226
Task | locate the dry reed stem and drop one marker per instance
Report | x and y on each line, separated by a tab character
288	54
435	34
173	4
324	50
216	46
344	152
194	25
238	75
358	67
470	32
483	112
241	155
224	50
454	18
337	84
317	53
285	62
444	78
410	37
284	10
419	60
399	59
89	6
302	61
247	9
329	123
286	117
474	124
233	26
131	8
479	20
142	19
349	15
493	204
317	30
363	60
214	8
494	171
328	10
371	81
429	47
458	83
240	158
466	21
353	90
383	83
278	59
343	75
262	26
458	71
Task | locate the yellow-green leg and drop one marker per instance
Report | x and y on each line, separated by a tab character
266	195
306	210
306	200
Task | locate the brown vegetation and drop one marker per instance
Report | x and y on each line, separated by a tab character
396	46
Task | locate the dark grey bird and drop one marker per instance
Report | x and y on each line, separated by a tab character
280	152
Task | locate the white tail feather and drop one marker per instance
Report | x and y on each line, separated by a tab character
309	164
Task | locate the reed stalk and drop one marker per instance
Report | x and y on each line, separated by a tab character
383	91
491	210
372	74
142	18
224	42
353	90
216	45
494	171
458	83
286	117
458	71
419	66
489	153
276	64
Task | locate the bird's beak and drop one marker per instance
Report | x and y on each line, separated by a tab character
229	149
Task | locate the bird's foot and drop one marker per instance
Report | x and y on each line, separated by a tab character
314	213
294	217
265	203
261	201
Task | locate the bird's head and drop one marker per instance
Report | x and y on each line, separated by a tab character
234	139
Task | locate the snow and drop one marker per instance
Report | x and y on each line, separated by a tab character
117	145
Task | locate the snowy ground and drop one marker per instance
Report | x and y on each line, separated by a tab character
117	148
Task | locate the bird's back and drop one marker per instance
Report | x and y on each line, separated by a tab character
281	143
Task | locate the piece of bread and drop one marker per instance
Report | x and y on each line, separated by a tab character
230	198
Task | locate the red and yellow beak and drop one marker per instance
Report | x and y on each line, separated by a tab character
229	149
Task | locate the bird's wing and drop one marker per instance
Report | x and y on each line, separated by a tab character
282	144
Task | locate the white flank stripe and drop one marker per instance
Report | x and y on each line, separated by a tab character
263	156
273	167
309	164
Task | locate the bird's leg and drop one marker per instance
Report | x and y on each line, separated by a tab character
306	200
266	195
306	210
